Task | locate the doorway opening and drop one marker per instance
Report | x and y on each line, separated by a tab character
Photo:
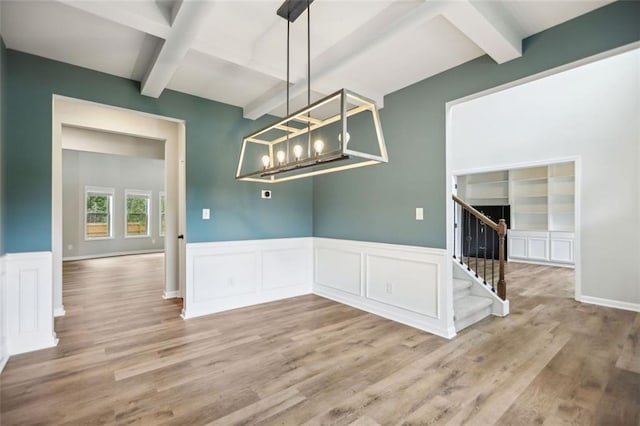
142	133
538	204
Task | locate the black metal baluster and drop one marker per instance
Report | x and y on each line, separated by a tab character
484	275
462	238
493	263
468	241
455	225
477	244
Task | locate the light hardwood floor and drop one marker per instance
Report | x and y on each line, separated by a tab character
126	357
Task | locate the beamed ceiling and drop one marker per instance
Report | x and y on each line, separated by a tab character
234	51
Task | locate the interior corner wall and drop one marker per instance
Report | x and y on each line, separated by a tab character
82	169
378	203
213	135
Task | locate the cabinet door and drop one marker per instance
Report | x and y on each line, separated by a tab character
517	246
561	249
537	248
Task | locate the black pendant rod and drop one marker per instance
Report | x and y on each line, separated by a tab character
309	76
292	9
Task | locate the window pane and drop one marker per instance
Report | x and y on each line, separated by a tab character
137	212
97	203
97	220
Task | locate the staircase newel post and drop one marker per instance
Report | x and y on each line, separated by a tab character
502	286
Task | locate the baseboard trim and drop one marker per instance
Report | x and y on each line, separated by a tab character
171	294
59	312
113	254
35	345
421	322
243	301
608	303
542	263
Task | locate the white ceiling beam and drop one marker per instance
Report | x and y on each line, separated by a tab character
188	19
387	23
147	17
488	26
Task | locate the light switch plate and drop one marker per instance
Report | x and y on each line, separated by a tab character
419	213
206	214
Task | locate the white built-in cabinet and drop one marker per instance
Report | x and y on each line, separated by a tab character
542	200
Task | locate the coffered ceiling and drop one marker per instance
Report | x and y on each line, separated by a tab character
234	51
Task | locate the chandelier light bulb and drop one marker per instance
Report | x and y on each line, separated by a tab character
281	156
297	151
318	146
265	161
340	137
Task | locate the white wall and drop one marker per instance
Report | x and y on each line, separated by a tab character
82	169
591	113
3	314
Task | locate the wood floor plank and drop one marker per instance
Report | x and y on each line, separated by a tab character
125	357
630	356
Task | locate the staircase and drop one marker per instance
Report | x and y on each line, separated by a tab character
479	287
468	308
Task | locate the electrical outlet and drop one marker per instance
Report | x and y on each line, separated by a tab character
266	193
419	213
206	214
230	281
389	288
70	247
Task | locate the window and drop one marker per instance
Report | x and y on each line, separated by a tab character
163	215
137	205
98	207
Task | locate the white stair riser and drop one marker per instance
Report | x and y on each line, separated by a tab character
463	323
459	294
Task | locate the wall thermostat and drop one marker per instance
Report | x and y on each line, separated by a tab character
266	193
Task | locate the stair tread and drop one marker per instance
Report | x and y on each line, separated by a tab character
459	284
469	305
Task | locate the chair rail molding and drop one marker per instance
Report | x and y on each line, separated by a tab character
29	307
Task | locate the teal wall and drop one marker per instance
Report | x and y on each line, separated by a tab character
213	130
2	139
378	203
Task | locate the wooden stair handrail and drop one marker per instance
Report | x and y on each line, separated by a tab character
501	230
500	227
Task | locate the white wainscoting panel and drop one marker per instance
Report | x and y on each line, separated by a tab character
228	275
339	269
29	302
407	284
4	354
402	283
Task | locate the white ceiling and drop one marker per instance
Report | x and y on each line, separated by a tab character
234	51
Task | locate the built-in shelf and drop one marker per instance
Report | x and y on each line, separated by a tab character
542	200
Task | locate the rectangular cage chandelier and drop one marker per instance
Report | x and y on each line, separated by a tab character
339	132
310	141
